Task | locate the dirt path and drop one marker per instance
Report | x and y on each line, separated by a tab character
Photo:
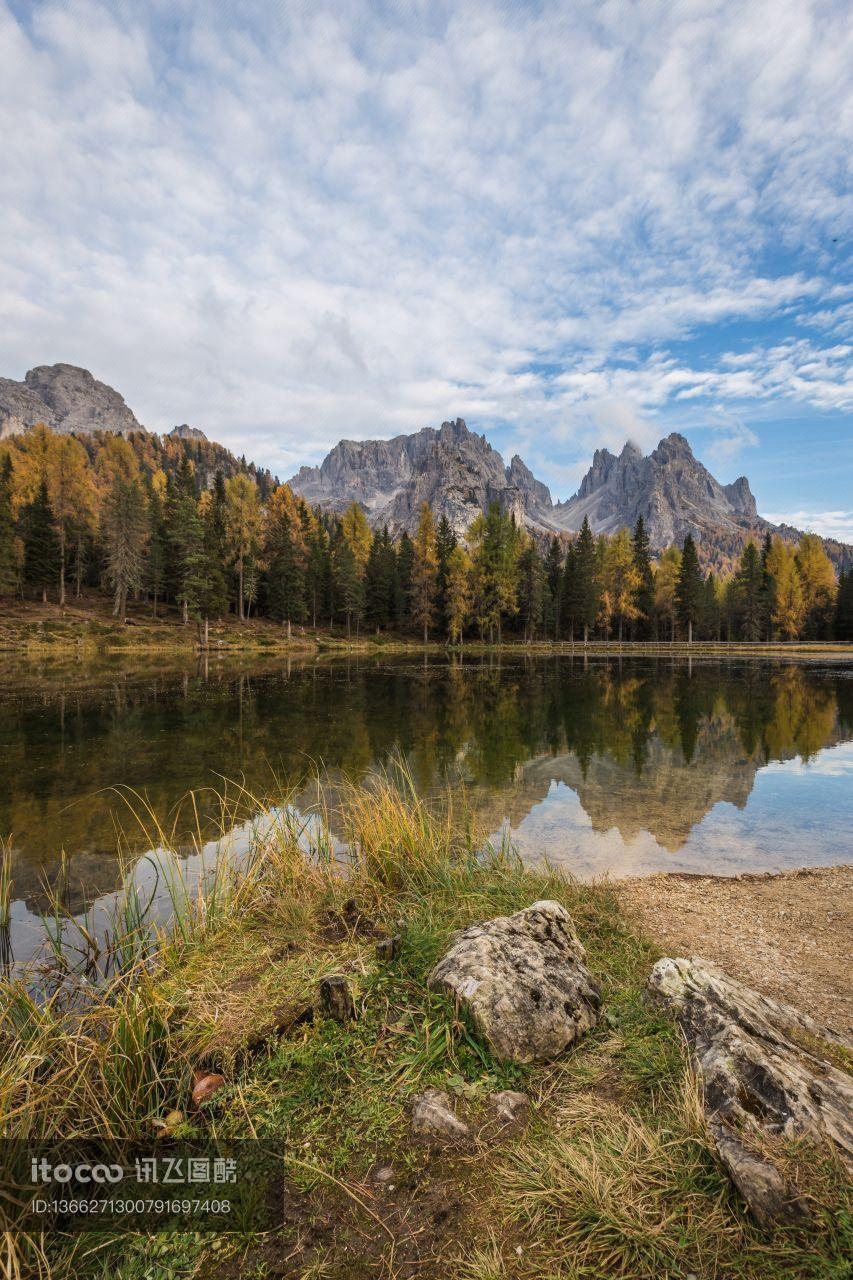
790	935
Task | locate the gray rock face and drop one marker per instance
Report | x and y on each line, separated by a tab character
766	1073
457	472
65	398
524	982
185	432
673	492
433	1116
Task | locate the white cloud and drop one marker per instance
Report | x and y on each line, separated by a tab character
288	224
829	524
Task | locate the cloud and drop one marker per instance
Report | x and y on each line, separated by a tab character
293	223
829	524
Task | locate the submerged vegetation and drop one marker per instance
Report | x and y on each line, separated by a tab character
614	1176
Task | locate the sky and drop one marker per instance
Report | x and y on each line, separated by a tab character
571	224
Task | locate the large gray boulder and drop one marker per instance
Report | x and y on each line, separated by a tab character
524	982
767	1072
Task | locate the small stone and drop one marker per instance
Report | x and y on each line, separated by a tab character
510	1106
433	1116
383	1174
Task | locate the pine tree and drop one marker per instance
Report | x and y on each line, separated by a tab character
554	587
318	571
496	547
689	592
379	581
403	583
158	547
844	607
569	616
8	558
767	600
531	591
645	594
424	572
286	558
749	582
41	545
348	582
125	527
586	579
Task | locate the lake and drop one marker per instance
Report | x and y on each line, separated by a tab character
601	764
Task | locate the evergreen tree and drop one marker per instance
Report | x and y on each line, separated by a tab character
553	587
531	591
586	579
767	600
211	583
570	616
243	520
286	558
749	590
158	547
8	558
844	607
348	583
379	581
645	593
125	528
689	592
496	546
318	571
403	583
424	572
41	545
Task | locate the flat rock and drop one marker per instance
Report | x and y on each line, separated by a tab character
767	1072
523	981
433	1116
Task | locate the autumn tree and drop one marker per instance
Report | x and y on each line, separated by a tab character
817	578
286	557
620	580
8	558
458	593
667	575
356	530
788	601
243	525
69	487
424	572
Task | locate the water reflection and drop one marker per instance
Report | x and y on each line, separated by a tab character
598	764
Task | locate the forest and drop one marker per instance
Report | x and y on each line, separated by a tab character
176	525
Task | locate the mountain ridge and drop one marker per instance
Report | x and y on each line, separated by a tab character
458	472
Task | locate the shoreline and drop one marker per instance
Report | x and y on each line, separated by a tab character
786	933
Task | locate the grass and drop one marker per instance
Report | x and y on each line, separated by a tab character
614	1176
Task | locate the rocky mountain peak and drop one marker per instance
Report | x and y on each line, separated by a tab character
64	397
185	432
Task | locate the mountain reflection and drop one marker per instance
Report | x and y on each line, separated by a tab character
646	746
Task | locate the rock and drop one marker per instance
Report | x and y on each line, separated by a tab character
510	1106
433	1116
64	397
205	1085
766	1073
523	980
336	998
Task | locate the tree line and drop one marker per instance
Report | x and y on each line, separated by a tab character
158	527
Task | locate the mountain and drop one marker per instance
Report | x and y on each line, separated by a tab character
459	474
456	471
63	397
452	468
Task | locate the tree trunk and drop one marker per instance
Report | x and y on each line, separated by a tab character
185	612
240	588
62	568
586	633
689	630
426	633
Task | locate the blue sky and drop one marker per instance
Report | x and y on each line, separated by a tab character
570	224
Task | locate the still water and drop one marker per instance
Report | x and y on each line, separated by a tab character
601	765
